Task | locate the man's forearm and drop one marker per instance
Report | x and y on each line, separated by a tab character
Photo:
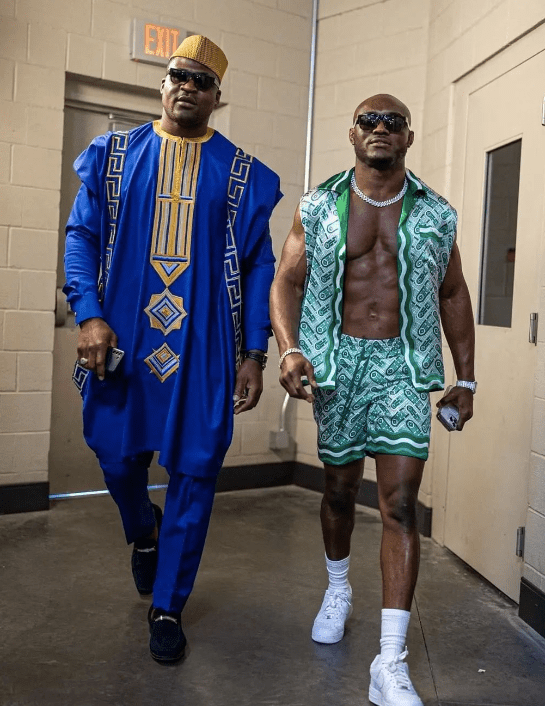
459	328
286	300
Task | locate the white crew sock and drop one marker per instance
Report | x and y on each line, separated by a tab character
338	574
394	632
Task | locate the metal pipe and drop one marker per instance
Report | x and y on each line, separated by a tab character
310	114
90	493
283	412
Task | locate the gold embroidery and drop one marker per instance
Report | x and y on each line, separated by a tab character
166	311
163	362
174	207
162	133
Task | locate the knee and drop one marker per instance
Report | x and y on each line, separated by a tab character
128	470
400	511
115	473
340	499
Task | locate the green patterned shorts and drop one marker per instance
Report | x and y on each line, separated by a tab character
374	408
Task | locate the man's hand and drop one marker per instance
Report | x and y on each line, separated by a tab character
95	337
462	398
249	386
294	367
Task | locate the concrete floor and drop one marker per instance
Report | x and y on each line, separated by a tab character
74	632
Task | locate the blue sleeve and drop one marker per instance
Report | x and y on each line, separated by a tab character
257	277
257	259
82	257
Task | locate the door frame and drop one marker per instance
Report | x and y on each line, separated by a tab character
479	76
111	102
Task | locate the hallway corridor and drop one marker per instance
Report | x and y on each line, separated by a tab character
74	629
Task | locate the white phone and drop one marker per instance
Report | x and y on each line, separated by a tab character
448	415
113	358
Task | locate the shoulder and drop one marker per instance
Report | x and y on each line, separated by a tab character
89	165
231	154
336	183
329	189
258	170
433	199
102	144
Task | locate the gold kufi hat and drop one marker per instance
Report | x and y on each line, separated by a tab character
204	51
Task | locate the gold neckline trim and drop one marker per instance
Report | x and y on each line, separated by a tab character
162	133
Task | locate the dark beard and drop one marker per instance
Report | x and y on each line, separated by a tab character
378	163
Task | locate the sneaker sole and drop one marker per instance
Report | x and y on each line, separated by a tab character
331	638
167	660
375	697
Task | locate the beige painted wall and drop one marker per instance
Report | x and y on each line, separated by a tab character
417	49
266	87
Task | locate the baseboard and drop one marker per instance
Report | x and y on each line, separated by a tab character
30	497
263	475
532	606
24	497
312	478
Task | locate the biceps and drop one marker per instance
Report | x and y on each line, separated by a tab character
293	263
453	282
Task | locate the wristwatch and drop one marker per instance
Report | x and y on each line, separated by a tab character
470	384
259	356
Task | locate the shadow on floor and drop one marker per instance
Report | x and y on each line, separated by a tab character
74	630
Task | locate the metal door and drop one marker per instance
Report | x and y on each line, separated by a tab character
72	465
488	468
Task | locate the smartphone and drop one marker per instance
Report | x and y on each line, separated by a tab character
113	358
449	416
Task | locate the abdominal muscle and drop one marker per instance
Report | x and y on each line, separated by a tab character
370	297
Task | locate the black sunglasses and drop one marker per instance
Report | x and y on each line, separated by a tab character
392	122
201	81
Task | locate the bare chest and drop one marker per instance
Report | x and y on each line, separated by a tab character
372	231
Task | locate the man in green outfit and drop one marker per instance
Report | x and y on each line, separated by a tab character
369	272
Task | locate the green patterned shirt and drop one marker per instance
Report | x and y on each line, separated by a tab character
425	236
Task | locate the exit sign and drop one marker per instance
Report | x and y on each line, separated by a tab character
154	43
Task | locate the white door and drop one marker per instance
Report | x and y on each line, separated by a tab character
72	465
489	462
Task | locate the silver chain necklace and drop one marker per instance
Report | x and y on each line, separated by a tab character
378	204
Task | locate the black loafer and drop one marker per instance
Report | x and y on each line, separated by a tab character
144	559
167	640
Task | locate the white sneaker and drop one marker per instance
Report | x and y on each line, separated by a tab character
390	684
329	623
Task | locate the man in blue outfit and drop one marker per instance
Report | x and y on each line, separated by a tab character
169	258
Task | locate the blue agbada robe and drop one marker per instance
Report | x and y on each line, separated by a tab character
166	295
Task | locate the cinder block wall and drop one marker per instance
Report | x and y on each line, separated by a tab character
266	87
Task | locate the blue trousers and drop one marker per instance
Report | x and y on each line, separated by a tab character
188	507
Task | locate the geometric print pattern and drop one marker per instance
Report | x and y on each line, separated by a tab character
166	311
425	237
163	362
177	178
425	241
79	376
374	408
114	176
240	171
325	252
